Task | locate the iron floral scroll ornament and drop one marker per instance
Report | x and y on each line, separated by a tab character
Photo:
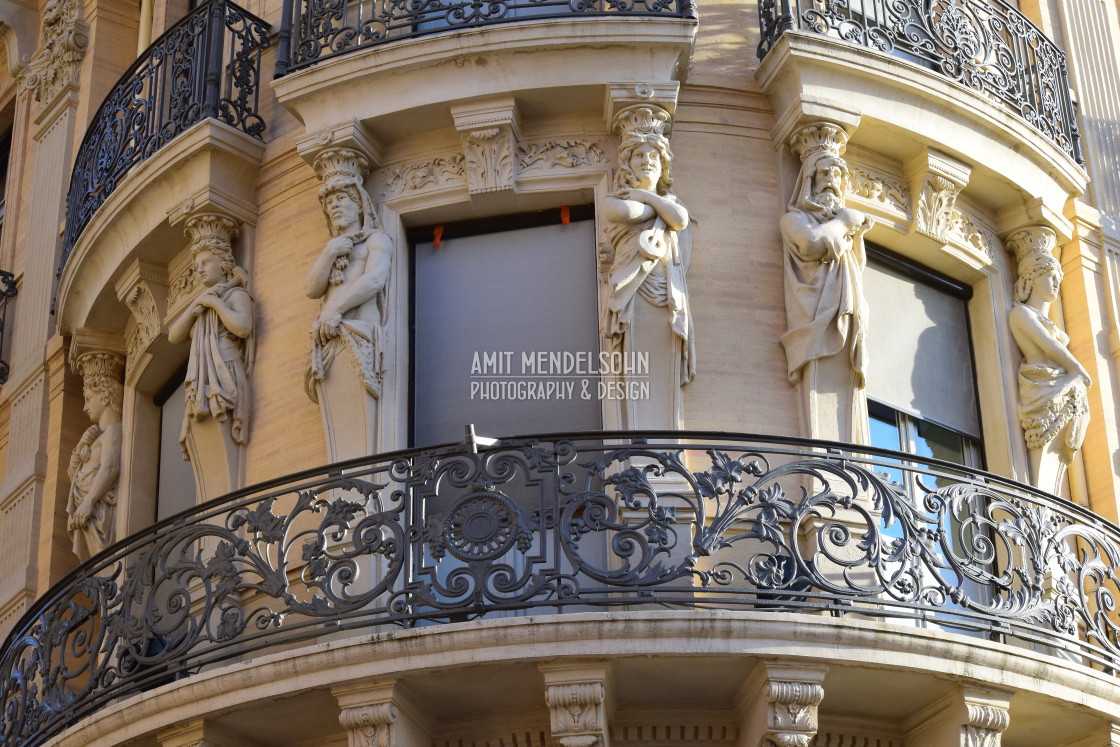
598	521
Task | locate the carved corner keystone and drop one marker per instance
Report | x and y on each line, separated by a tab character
578	703
936	180
380	714
778	704
490	131
969	717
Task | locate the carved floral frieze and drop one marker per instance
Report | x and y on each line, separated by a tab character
419	176
560	154
880	189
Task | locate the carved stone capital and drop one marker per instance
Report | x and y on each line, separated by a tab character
370	726
86	341
490	130
642	119
576	696
379	714
936	180
621	96
970	717
337	167
350	135
778	704
816	137
143	289
63	40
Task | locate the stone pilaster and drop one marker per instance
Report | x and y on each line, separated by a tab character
578	704
777	705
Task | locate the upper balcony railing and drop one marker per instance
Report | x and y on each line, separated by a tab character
556	523
206	65
986	45
315	30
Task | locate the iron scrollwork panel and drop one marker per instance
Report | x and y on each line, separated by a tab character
434	537
206	65
985	45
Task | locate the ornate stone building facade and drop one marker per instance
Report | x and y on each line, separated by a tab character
559	373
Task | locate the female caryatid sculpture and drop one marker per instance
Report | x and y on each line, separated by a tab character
218	322
95	464
647	310
825	308
1053	385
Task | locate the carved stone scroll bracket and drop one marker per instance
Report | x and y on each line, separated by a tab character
777	704
969	717
381	714
578	703
490	131
143	289
347	136
622	96
198	733
936	180
63	39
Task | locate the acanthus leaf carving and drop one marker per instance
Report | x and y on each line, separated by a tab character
967	232
489	159
146	314
63	41
936	203
985	727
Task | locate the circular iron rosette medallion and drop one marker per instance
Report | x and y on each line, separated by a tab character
481	526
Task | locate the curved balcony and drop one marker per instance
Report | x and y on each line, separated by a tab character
205	66
317	30
566	523
987	46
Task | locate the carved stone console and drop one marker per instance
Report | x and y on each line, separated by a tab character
969	717
381	714
578	704
778	705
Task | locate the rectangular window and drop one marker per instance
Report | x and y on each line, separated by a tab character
919	342
481	301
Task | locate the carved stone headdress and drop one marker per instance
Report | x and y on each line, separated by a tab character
817	144
345	169
643	124
213	234
1033	248
102	374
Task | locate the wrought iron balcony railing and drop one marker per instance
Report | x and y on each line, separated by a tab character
207	65
986	45
315	30
562	522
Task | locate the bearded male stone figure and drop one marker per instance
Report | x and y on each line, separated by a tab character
350	277
825	308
